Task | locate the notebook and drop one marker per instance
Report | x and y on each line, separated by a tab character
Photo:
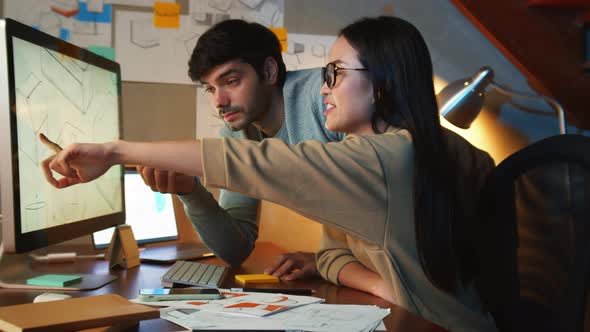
73	314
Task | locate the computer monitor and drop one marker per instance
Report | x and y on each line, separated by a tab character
149	213
71	95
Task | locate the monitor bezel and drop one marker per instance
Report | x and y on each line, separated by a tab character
15	240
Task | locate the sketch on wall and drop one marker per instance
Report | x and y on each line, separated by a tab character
266	12
307	51
70	20
149	54
166	52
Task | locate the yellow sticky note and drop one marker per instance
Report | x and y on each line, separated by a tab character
166	15
281	34
256	279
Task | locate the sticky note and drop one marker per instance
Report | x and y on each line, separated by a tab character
54	280
281	34
107	52
166	15
106	16
256	279
64	34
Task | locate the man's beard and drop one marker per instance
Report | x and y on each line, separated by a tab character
221	111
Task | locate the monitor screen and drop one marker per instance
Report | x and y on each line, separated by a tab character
150	214
71	95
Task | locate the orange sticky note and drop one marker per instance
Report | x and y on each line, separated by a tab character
166	15
281	34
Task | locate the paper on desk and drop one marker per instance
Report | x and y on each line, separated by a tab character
313	317
377	326
244	303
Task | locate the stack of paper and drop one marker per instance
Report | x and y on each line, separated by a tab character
263	311
243	303
312	317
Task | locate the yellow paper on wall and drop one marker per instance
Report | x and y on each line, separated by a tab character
167	15
281	34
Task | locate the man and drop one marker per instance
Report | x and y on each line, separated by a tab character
240	65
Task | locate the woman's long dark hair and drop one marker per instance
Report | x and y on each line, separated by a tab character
400	68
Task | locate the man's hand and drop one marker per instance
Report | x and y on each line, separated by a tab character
77	163
166	181
294	265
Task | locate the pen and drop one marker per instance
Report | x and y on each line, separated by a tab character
290	291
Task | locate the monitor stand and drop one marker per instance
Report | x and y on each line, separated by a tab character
16	269
168	254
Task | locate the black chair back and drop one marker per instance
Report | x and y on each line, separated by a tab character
535	237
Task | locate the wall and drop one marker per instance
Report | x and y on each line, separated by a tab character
458	49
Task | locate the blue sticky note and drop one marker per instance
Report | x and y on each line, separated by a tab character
54	280
85	16
64	34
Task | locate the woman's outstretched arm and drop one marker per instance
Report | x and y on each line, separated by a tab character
84	162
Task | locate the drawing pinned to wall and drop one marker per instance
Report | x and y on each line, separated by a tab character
165	52
307	51
136	3
140	45
71	20
95	6
209	12
65	8
143	34
189	40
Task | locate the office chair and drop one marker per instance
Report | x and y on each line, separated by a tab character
534	237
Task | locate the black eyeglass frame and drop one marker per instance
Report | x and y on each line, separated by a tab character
327	77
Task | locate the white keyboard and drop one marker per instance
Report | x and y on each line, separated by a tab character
195	274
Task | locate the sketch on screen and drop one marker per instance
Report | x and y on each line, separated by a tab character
66	100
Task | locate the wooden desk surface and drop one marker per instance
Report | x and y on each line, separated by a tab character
148	276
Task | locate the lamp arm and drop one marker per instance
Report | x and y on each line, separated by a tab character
554	103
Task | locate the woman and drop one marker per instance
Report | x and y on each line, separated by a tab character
389	193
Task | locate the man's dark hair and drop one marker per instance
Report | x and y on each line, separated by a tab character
232	40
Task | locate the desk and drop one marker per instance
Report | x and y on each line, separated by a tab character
148	276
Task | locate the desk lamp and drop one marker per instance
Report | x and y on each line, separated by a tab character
460	101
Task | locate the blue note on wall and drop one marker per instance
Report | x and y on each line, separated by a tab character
64	34
86	16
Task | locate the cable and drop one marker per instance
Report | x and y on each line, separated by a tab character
63	257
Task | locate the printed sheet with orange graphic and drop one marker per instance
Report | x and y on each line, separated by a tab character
242	303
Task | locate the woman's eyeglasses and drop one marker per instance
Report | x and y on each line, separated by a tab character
330	72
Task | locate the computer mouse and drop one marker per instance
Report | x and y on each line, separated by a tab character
46	297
